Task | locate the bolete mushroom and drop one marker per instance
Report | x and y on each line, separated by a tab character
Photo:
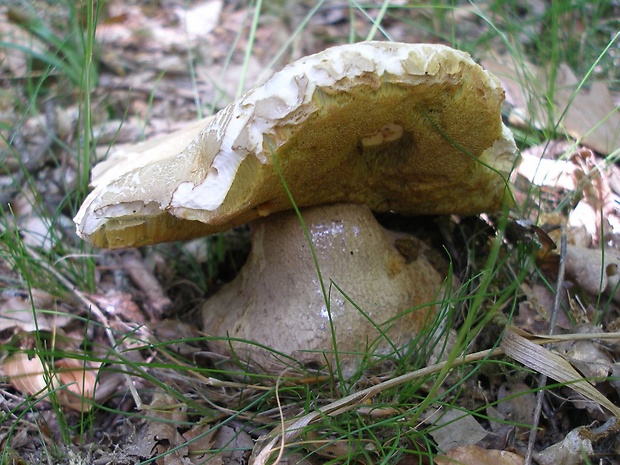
409	128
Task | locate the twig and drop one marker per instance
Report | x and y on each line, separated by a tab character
157	301
542	380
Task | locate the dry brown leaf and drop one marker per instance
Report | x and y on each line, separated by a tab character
28	312
79	384
157	302
535	311
226	77
586	177
165	415
595	270
516	402
232	445
28	375
200	440
330	448
502	431
16	313
474	455
587	356
559	174
569	451
552	365
16	60
453	428
590	117
120	304
34	228
597	211
295	458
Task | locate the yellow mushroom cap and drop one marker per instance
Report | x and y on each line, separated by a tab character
410	128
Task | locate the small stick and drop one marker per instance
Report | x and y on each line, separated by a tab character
542	380
157	300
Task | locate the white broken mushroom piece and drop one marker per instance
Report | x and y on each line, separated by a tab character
409	128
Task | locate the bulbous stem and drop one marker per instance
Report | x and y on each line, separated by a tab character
367	302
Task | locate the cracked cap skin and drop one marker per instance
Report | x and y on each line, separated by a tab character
410	128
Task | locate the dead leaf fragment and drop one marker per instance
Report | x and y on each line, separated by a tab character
474	455
201	19
28	375
16	313
454	428
569	451
31	311
595	270
79	382
586	177
165	416
588	115
587	356
547	171
553	365
17	58
232	445
157	301
516	402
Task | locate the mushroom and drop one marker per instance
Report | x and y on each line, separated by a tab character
408	128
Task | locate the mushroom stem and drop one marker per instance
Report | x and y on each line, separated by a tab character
277	299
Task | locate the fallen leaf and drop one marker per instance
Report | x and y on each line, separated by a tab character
586	177
18	58
591	117
119	304
200	440
165	415
503	432
595	270
231	445
474	455
587	356
553	365
547	172
588	115
201	19
598	207
157	302
28	375
569	451
516	402
79	384
17	313
454	428
535	310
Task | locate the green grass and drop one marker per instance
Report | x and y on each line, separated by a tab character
213	393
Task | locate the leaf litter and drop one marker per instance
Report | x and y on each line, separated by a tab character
567	181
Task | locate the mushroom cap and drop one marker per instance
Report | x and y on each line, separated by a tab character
411	128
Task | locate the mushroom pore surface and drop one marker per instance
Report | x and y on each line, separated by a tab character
278	301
